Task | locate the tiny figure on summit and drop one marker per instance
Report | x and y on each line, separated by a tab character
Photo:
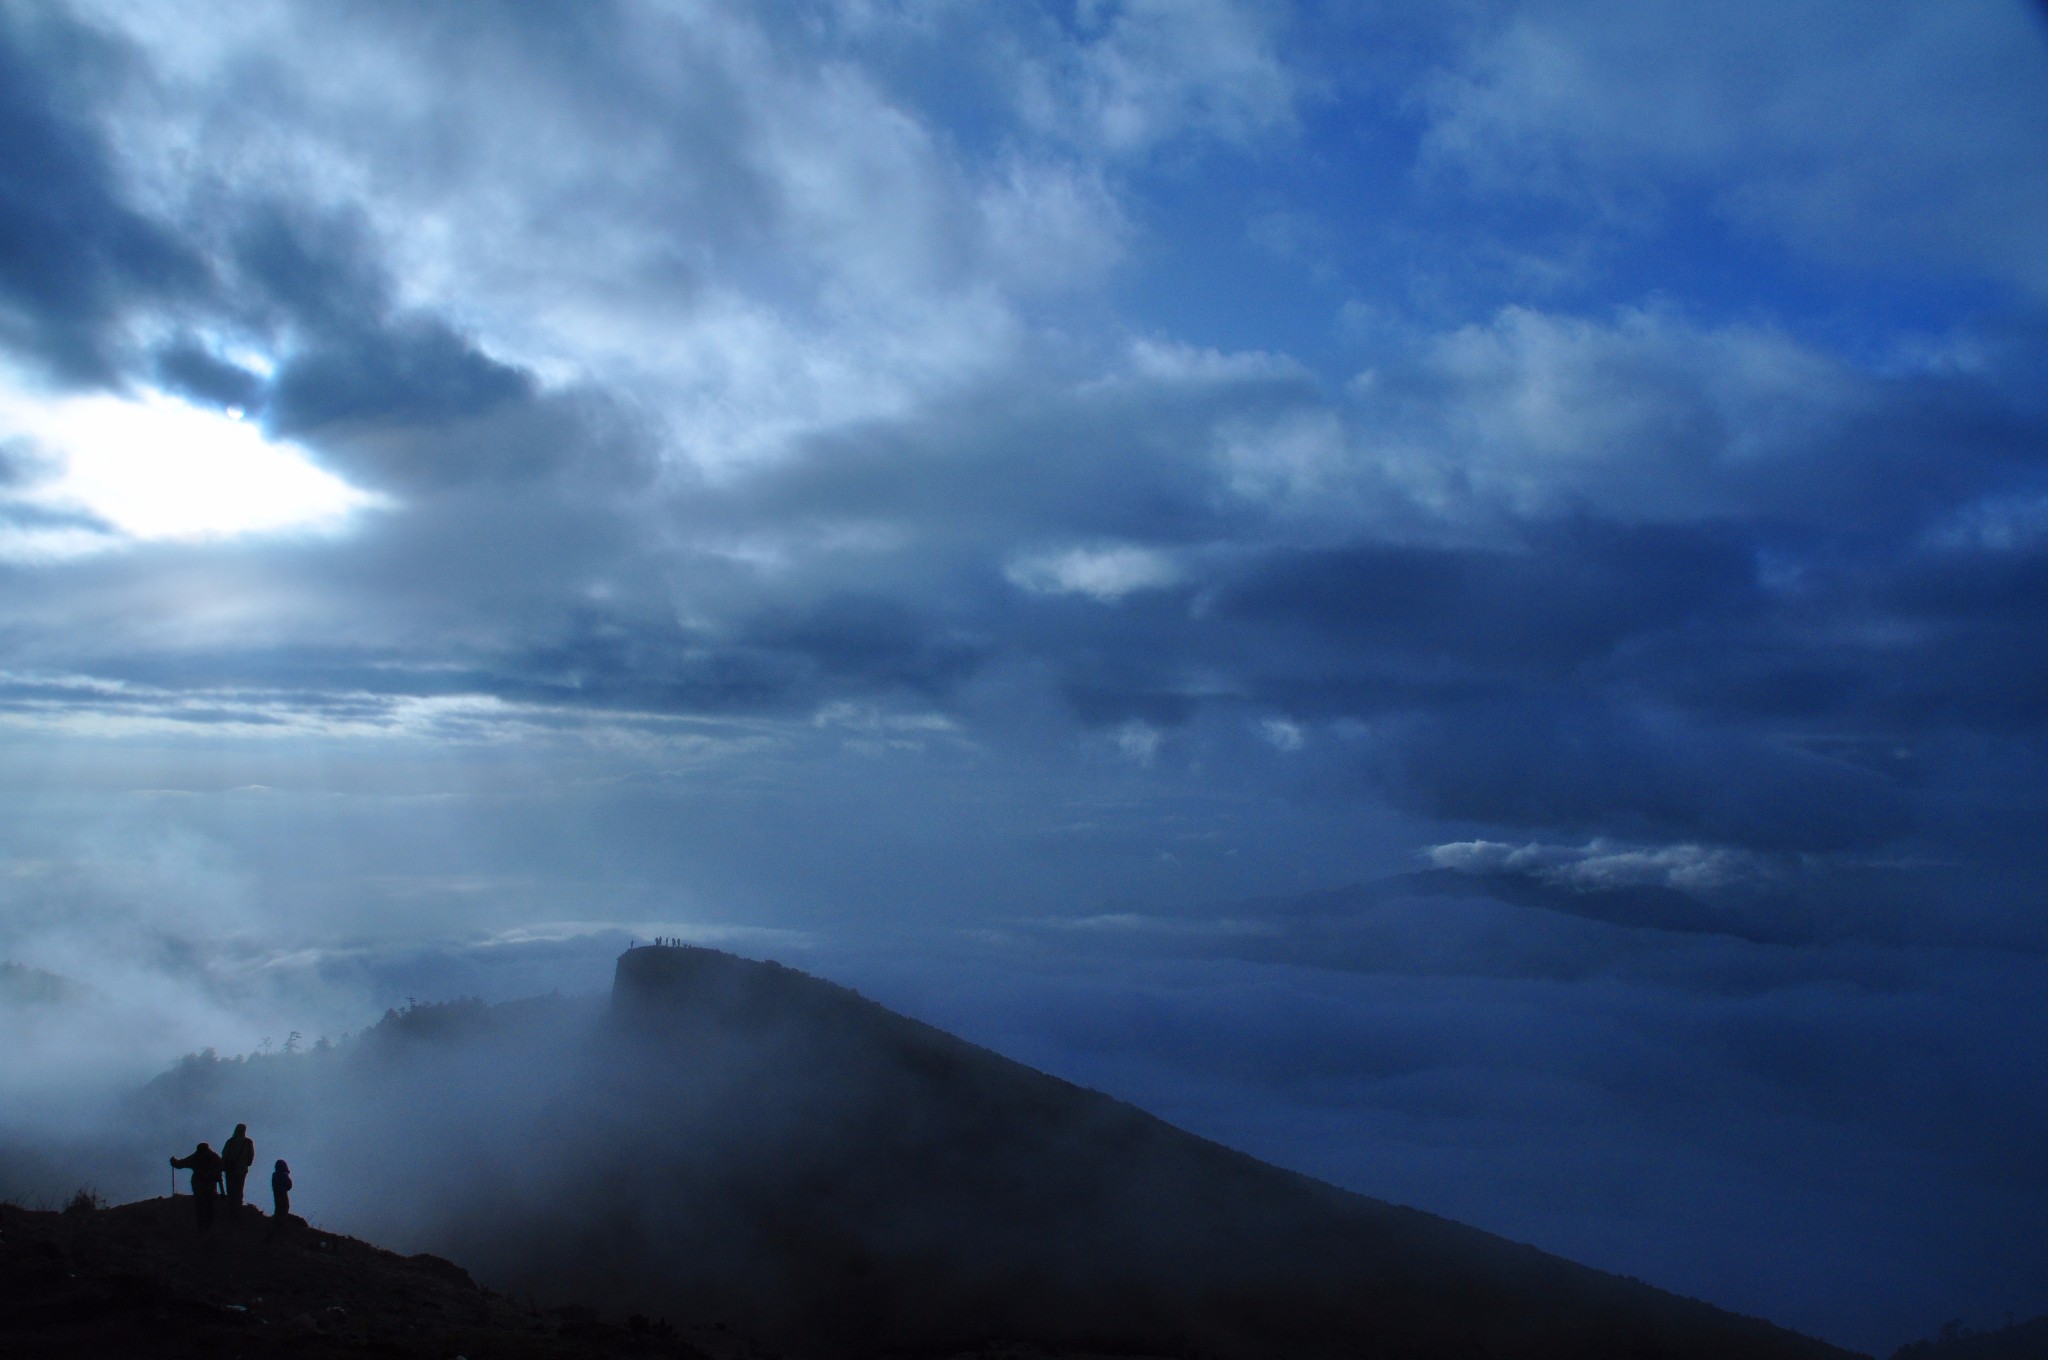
280	1195
237	1155
204	1164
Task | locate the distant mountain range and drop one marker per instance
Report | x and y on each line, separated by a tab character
736	1141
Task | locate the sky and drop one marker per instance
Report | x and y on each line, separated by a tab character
1450	595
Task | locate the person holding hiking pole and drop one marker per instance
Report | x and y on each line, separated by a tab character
204	1164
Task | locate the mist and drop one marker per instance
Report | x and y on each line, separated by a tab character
724	1139
1556	1079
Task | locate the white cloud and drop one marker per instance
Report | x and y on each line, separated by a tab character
1173	362
2003	523
752	238
1139	741
1603	864
1049	225
1644	416
1107	574
1673	866
90	707
1857	131
1300	460
869	718
1285	735
1154	70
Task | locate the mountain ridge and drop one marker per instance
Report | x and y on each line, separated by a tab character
736	1139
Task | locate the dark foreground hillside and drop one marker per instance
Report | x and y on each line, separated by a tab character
738	1141
137	1281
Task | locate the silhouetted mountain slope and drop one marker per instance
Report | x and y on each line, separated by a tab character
138	1282
736	1140
2019	1341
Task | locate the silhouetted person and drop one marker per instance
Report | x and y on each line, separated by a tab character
237	1155
280	1195
204	1164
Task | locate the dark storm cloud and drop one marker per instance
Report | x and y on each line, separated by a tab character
869	639
73	254
388	396
359	360
418	372
1978	652
785	661
1582	673
1038	453
1566	598
1725	676
1584	767
192	370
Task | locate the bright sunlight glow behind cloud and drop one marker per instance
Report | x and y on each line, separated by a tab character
153	467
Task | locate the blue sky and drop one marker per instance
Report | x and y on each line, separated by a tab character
1451	595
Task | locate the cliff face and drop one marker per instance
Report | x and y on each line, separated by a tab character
738	1141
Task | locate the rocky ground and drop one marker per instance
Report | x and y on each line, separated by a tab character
139	1281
